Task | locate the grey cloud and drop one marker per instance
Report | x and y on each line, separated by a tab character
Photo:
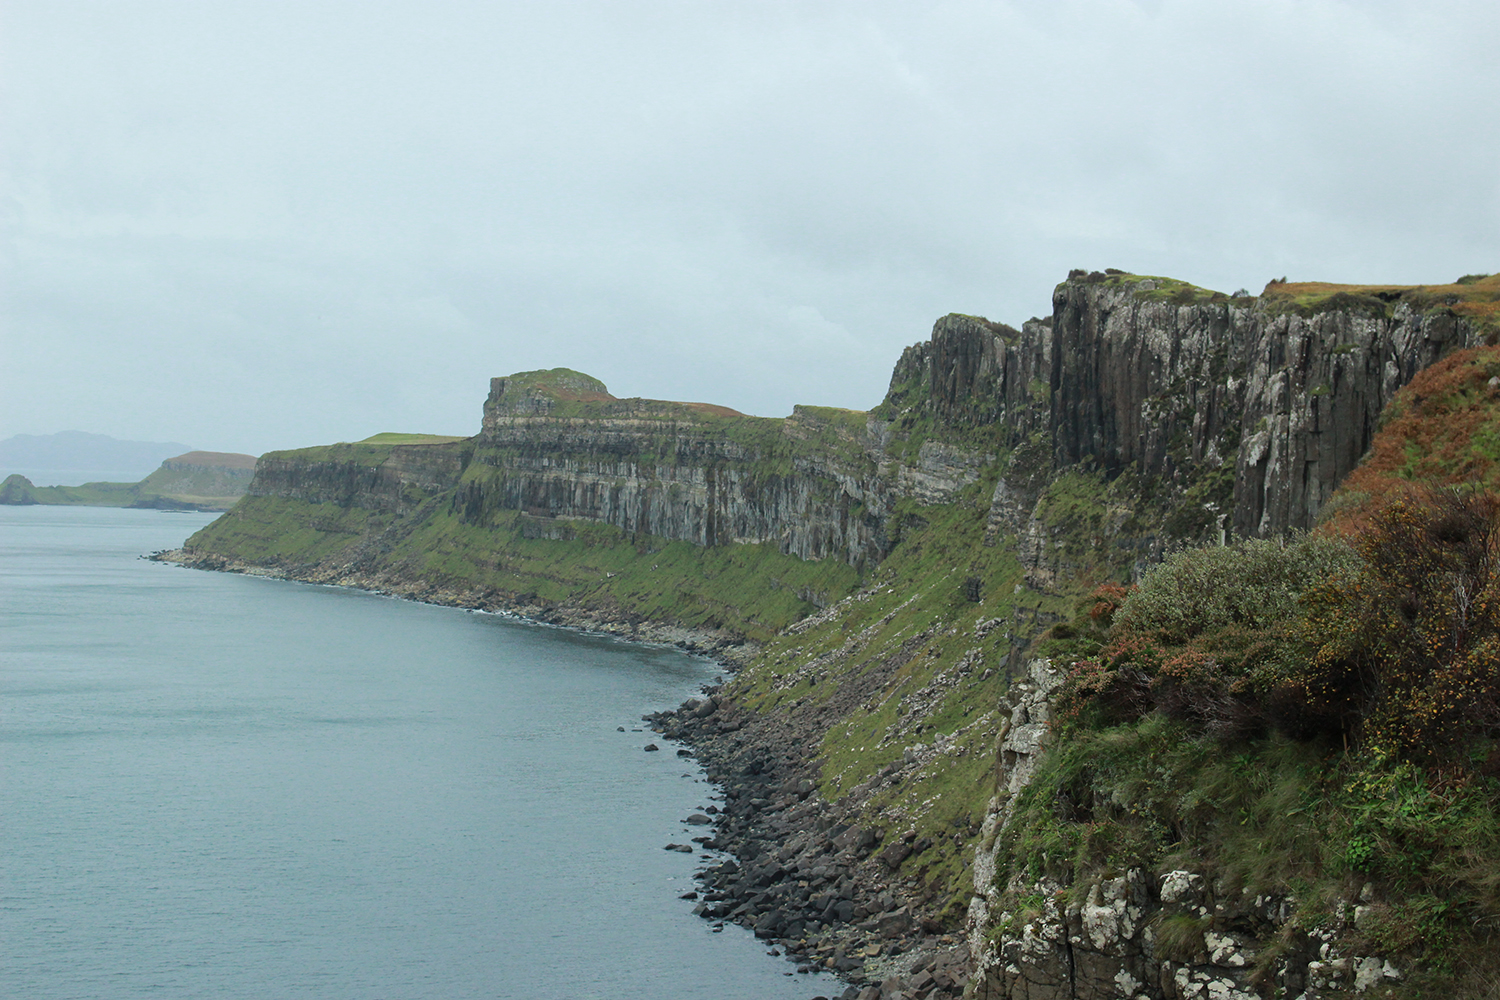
267	225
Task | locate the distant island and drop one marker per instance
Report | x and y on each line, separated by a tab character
195	480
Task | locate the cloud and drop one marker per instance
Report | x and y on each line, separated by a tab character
272	224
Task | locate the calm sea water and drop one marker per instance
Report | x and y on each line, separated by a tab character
223	786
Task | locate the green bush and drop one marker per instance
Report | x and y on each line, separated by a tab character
1254	584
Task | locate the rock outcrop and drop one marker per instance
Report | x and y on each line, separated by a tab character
1173	936
1286	399
392	479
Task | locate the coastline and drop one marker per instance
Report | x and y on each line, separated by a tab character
810	883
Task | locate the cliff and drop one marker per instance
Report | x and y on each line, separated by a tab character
881	576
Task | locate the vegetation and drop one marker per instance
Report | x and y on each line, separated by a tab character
1160	289
390	437
754	590
191	488
1474	296
915	662
1442	428
1296	719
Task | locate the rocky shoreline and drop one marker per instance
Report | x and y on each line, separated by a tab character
816	886
724	647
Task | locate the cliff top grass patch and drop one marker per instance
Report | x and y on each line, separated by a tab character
1152	287
390	437
560	383
366	452
1474	296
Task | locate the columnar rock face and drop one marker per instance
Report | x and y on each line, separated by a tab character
814	484
1173	387
973	374
687	472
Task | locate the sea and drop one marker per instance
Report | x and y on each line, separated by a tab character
215	785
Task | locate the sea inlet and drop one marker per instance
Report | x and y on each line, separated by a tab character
229	786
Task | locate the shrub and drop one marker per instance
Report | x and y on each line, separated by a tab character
1253	584
1407	655
1204	638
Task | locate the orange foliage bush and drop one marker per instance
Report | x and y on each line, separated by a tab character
1442	428
1107	600
1407	658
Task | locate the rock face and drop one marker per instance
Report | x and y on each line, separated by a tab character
1289	401
1241	412
390	479
687	472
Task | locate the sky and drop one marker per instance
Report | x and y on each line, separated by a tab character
264	225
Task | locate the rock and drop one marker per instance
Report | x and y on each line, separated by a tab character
698	819
894	924
651	748
1368	972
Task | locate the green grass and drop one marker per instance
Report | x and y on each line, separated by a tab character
390	437
1166	289
209	491
909	640
1475	297
754	590
1274	817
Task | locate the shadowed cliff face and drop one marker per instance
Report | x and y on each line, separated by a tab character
1289	401
392	479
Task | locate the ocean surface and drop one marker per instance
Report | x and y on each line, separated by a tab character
226	786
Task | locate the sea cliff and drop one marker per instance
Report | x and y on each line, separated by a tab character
882	578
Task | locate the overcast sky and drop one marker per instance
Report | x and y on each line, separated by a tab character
255	225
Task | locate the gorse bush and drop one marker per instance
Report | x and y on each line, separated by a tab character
1389	639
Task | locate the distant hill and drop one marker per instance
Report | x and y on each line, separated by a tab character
197	480
77	456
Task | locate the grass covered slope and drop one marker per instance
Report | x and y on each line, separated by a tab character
544	566
1314	722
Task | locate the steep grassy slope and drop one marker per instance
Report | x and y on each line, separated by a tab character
1309	731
